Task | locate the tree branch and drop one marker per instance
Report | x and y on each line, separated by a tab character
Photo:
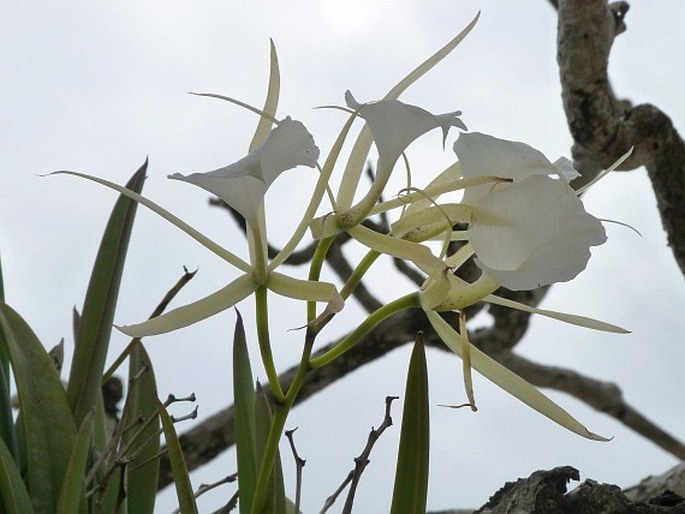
604	127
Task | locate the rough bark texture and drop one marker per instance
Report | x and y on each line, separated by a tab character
604	127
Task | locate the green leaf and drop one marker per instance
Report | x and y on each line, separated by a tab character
48	427
95	324
411	477
141	405
72	497
275	499
244	419
184	490
14	498
7	433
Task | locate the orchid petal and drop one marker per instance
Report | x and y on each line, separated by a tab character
420	255
310	290
462	294
395	125
428	222
157	209
451	175
533	233
270	103
181	317
572	319
565	169
243	184
481	154
360	150
508	380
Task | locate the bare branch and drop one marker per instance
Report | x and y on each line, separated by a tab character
299	464
604	127
360	462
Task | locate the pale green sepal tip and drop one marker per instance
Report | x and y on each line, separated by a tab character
573	319
510	381
184	316
195	234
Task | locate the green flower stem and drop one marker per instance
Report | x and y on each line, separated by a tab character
256	241
262	314
381	314
357	213
278	423
317	261
359	272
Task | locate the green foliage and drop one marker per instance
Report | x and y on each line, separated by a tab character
275	492
95	326
48	427
184	491
58	455
411	477
245	418
141	429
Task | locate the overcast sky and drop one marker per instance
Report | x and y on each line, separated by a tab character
98	87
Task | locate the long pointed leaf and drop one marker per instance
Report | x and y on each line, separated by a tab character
7	433
244	419
411	476
14	498
73	496
47	425
141	405
275	500
98	309
179	469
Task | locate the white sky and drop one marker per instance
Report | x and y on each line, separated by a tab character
98	87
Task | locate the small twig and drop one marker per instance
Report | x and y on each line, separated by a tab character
192	415
229	506
208	487
172	399
163	304
360	463
299	464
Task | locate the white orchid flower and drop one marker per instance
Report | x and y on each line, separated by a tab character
395	125
243	184
529	232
